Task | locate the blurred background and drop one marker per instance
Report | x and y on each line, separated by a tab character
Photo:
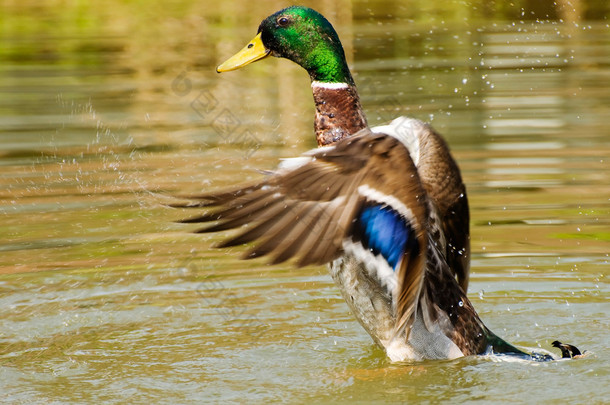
110	110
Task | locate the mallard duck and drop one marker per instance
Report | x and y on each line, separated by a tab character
384	207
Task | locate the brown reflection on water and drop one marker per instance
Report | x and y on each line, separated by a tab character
108	111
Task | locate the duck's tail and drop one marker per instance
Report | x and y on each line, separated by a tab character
497	345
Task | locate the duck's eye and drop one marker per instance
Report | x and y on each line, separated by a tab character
283	21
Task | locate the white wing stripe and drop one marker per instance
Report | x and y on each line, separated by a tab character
375	195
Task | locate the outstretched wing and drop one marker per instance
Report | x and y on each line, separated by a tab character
364	190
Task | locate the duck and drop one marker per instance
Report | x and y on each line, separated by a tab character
385	208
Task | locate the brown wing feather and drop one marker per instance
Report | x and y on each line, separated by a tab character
291	245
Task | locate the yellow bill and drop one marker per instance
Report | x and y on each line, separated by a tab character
252	52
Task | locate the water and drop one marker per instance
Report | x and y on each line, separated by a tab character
108	112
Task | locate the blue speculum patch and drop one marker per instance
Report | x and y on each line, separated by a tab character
384	231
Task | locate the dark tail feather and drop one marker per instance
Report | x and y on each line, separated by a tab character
498	345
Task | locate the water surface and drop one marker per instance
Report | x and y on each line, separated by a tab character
106	112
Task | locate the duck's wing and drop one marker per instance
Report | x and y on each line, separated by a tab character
362	191
441	178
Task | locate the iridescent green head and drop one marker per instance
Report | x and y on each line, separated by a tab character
302	35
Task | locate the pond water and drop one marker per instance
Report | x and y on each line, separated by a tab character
108	111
